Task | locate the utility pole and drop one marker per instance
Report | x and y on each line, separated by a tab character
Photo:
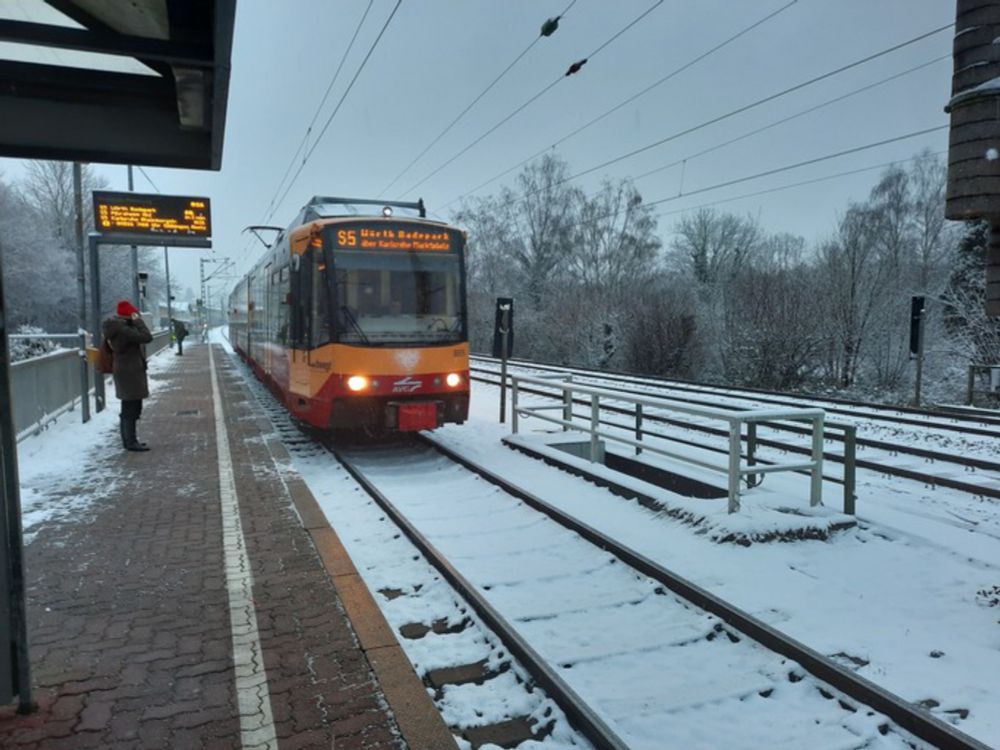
15	665
81	289
170	307
135	255
917	314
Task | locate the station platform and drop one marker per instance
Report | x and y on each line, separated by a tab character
202	600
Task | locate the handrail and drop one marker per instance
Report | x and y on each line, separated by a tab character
735	469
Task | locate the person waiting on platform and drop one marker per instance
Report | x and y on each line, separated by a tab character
180	331
126	333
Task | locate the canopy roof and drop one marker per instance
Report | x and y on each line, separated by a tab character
117	81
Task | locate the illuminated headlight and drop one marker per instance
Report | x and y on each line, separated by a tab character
453	379
357	382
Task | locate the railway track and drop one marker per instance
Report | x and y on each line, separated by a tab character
461	659
632	653
886	465
966	422
668	637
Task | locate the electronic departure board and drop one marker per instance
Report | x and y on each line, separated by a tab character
152	215
395	236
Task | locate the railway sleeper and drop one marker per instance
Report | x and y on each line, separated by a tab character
416	630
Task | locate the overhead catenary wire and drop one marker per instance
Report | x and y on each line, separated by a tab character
270	208
789	186
336	109
797	165
777	170
471	104
148	178
632	98
757	103
531	100
744	108
789	118
305	136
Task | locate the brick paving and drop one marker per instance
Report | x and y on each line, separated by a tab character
129	625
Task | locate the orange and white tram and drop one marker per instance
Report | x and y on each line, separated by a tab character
358	321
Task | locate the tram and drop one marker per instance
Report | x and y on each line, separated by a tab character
356	317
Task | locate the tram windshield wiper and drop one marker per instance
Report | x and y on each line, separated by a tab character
349	317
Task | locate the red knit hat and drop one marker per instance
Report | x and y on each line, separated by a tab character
126	308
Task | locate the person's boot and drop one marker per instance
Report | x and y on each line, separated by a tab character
121	431
131	443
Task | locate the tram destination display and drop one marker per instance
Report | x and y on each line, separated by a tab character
148	215
393	236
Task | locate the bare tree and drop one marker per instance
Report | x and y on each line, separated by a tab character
716	245
934	236
853	282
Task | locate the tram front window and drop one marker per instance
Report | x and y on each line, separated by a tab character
398	298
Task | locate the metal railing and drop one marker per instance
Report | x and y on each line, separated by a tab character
45	387
735	468
988	377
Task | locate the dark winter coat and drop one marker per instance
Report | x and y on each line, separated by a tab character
180	330
126	336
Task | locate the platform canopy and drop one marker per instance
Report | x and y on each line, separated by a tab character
115	81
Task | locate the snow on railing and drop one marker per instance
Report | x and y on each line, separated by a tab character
47	386
735	419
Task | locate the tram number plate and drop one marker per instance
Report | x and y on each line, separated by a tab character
414	417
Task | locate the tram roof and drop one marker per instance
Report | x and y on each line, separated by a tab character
119	81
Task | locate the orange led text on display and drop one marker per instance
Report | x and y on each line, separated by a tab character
367	238
152	215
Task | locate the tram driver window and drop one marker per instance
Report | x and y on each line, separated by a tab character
320	326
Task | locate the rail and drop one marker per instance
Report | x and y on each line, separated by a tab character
909	716
45	387
735	468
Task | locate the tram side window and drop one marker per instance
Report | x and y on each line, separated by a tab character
279	307
320	324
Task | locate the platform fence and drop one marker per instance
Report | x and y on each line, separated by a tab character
47	386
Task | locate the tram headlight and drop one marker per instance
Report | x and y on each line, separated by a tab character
357	382
453	380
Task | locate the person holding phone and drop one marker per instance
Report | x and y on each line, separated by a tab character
126	333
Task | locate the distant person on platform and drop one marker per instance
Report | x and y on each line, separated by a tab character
180	331
126	333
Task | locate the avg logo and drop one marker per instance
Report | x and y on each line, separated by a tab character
406	385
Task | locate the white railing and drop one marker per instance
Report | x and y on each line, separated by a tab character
735	467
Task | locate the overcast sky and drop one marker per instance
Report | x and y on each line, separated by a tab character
436	56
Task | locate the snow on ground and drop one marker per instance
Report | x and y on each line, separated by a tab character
58	484
903	596
910	600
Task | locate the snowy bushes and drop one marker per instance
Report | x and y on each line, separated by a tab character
21	348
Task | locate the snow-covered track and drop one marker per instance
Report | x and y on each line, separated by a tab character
653	632
583	718
885	466
966	421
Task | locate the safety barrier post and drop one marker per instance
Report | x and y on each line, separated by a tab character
734	465
816	488
513	404
638	428
751	452
850	450
568	404
595	410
